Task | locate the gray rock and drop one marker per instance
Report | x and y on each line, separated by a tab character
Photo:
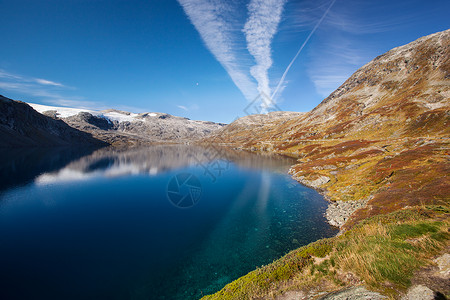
419	292
320	181
354	293
96	122
339	212
443	263
316	183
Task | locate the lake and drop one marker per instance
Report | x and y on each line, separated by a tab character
162	222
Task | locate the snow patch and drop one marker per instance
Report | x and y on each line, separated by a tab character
65	112
115	116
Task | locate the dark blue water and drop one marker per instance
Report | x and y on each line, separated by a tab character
166	222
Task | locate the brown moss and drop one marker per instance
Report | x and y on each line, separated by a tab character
429	122
414	177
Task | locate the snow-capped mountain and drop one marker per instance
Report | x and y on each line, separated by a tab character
120	127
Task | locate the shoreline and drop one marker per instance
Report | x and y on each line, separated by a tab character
338	212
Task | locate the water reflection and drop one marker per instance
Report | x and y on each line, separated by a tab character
113	162
21	166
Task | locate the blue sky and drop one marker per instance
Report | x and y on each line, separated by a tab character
202	59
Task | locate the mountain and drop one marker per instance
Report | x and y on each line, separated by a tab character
21	125
378	149
402	93
124	128
379	142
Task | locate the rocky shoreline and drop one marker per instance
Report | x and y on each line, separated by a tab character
338	212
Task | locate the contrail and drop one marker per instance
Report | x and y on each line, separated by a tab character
212	21
301	48
260	28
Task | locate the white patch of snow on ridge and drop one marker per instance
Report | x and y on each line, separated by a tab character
115	116
65	112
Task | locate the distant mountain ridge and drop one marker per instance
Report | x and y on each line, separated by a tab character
21	126
124	128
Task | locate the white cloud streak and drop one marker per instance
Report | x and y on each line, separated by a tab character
325	83
260	28
10	76
51	92
226	38
301	49
48	82
332	65
346	43
7	75
212	20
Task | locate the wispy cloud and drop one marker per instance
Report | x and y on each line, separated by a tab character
7	75
331	65
190	107
347	39
48	82
348	18
49	92
281	82
77	103
242	47
326	83
11	76
214	21
260	28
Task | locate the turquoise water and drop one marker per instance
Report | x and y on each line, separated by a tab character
165	222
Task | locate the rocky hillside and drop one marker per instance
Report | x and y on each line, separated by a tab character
21	125
253	129
125	128
380	139
402	93
378	148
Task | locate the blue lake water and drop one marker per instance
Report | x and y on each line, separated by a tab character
164	222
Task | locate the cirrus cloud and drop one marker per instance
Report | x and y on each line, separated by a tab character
225	35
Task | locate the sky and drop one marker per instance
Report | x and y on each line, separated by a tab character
212	60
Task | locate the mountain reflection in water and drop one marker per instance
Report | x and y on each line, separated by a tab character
108	223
